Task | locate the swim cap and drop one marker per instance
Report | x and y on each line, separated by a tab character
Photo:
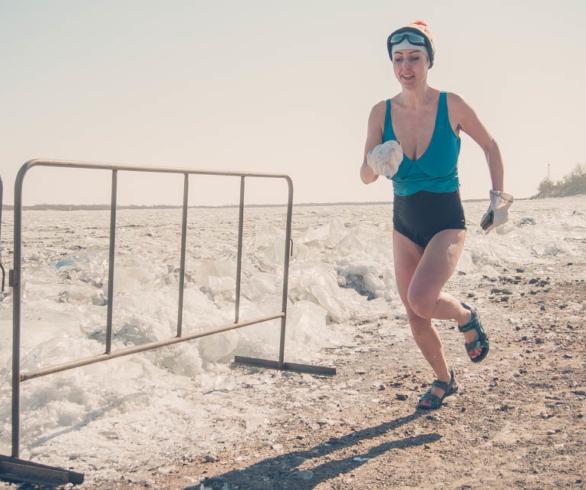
417	27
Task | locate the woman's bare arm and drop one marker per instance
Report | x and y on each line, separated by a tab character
468	121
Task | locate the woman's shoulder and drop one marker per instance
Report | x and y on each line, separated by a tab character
380	106
456	102
379	110
461	112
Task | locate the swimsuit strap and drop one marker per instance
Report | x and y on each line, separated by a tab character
443	108
389	133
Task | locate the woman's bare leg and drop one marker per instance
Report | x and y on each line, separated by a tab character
408	256
435	268
421	274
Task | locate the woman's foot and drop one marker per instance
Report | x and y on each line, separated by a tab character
434	396
476	339
471	336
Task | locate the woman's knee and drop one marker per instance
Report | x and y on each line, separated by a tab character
422	303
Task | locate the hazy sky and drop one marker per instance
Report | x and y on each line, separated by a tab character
271	86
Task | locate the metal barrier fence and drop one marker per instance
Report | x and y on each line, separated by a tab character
43	474
1	204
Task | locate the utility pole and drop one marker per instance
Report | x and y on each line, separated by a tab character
548	172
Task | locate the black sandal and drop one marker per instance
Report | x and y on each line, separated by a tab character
449	387
481	341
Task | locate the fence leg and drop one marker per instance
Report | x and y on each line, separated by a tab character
239	259
16	299
281	364
1	266
183	253
111	261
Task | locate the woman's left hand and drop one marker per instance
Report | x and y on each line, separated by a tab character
498	210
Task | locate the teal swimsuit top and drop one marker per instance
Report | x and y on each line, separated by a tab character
437	169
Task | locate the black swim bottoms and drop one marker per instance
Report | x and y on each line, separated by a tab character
421	215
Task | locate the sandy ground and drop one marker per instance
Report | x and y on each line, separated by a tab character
518	420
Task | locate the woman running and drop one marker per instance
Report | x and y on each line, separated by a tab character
428	218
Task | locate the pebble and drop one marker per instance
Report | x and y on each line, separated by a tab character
402	396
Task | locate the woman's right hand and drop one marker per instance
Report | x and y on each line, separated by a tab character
374	138
385	159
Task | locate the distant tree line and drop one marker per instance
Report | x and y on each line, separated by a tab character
571	184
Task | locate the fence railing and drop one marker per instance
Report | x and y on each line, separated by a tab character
16	280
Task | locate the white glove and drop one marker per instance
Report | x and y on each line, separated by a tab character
498	211
385	159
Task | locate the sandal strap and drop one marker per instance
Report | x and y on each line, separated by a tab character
481	340
475	344
434	400
444	385
472	323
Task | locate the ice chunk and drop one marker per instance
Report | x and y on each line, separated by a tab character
337	232
306	324
325	299
316	236
299	251
130	279
368	277
380	248
222	283
263	284
350	244
265	236
272	255
183	360
215	268
373	283
218	347
65	263
465	264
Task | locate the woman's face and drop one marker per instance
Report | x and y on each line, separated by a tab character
410	67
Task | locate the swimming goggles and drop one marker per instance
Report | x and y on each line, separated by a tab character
413	38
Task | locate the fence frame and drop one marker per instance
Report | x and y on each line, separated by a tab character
43	474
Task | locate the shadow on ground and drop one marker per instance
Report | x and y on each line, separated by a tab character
282	471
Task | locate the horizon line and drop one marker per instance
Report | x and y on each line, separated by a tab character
103	207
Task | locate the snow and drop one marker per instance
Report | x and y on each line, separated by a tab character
125	413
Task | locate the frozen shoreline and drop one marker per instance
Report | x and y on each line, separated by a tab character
117	416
